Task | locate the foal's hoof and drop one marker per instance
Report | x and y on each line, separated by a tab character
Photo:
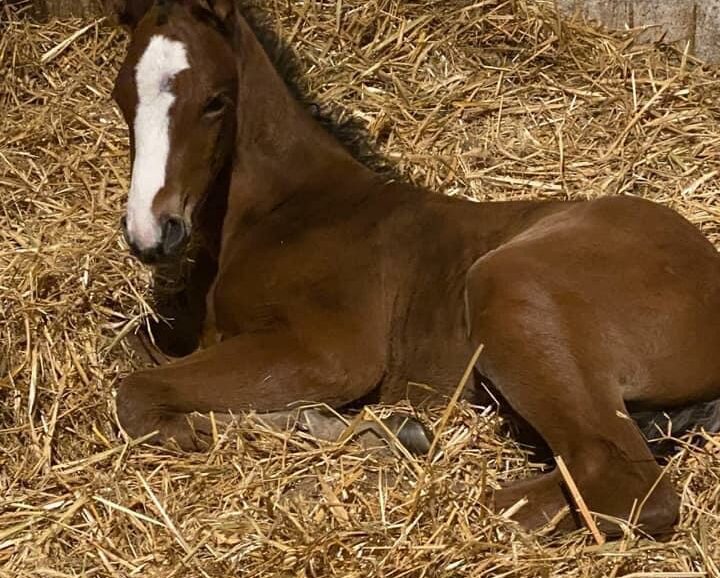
543	503
329	426
190	432
410	432
535	504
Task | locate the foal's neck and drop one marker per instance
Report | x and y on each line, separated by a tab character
280	150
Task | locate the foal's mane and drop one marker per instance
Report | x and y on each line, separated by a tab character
351	132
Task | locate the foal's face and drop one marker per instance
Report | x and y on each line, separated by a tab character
176	90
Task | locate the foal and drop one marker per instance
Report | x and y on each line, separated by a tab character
319	281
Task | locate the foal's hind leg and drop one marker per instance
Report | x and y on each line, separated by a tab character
549	376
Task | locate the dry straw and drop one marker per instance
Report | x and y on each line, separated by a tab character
492	99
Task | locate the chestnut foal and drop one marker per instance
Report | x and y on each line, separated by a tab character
319	281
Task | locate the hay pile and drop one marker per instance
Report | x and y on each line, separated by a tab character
494	99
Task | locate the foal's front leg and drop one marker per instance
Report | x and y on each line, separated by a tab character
263	372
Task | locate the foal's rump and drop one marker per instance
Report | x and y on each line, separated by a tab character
660	312
633	290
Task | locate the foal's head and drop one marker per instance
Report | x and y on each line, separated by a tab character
176	89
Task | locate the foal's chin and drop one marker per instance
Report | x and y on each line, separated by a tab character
156	258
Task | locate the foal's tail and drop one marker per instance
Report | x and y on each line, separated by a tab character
662	428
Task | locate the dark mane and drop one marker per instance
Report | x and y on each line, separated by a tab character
351	133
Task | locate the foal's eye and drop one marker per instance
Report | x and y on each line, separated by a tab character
215	105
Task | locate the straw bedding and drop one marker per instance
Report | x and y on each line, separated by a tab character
492	99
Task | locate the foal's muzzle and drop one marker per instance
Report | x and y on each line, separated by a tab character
174	236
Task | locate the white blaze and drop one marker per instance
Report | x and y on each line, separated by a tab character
162	60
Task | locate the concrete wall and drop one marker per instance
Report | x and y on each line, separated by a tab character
679	20
697	21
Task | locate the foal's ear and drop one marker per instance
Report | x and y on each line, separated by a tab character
223	10
128	12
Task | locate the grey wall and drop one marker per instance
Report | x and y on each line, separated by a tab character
680	20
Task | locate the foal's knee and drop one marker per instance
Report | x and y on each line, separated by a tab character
135	410
143	408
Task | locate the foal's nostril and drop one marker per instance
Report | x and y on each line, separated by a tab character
174	235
